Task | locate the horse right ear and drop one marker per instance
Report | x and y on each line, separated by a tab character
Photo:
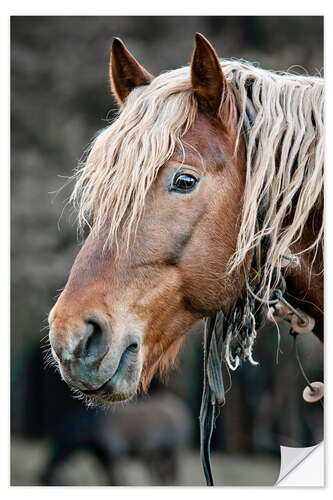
125	72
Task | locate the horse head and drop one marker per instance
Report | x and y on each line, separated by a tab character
165	183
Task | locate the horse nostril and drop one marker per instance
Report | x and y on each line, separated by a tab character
96	343
134	347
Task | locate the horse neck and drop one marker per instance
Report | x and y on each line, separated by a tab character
305	282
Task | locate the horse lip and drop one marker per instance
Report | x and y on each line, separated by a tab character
96	391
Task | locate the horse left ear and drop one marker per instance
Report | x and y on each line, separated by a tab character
208	81
125	72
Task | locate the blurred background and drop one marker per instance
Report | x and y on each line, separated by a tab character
60	98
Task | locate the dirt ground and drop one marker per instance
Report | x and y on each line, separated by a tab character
29	457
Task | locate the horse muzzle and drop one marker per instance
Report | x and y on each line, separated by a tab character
92	361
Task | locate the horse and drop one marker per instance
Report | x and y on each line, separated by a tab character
204	201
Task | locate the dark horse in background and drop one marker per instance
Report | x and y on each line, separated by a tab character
152	430
208	179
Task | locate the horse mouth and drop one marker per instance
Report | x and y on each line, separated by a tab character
124	382
107	394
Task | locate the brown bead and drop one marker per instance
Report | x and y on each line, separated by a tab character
316	395
278	312
300	326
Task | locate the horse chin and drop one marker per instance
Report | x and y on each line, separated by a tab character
106	397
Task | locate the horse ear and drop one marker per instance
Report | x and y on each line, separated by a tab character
125	72
208	82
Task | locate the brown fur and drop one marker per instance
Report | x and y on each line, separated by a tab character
305	282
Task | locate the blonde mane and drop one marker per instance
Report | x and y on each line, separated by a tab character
285	155
285	160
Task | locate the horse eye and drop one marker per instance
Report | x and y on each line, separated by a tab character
184	182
